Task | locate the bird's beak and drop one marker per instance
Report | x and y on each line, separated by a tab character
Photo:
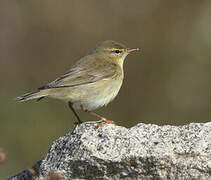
130	50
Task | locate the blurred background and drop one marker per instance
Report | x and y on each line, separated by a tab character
167	83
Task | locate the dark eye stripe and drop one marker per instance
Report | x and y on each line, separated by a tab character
117	51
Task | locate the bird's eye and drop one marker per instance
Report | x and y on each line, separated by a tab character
117	51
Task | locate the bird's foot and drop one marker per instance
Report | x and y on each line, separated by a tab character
78	123
104	121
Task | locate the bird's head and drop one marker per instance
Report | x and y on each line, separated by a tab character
114	51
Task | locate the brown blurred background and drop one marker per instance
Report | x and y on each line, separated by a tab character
167	83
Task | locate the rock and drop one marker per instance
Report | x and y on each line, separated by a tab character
144	151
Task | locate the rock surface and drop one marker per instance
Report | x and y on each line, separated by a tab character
144	151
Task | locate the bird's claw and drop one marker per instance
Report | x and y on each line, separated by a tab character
104	121
77	123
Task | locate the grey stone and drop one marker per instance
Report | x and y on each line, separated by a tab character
145	151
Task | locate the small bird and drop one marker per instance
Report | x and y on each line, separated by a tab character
91	83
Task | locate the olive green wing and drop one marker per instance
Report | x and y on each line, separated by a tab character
81	75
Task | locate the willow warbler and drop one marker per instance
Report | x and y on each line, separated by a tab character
92	82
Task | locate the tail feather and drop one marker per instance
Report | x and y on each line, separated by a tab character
34	95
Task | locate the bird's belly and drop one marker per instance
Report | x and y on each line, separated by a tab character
95	95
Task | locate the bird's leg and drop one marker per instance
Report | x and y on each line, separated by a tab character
102	119
74	112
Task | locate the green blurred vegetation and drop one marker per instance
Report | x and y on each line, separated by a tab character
168	83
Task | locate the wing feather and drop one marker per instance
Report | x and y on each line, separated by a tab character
83	74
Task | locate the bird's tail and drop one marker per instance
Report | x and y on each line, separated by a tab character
39	94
